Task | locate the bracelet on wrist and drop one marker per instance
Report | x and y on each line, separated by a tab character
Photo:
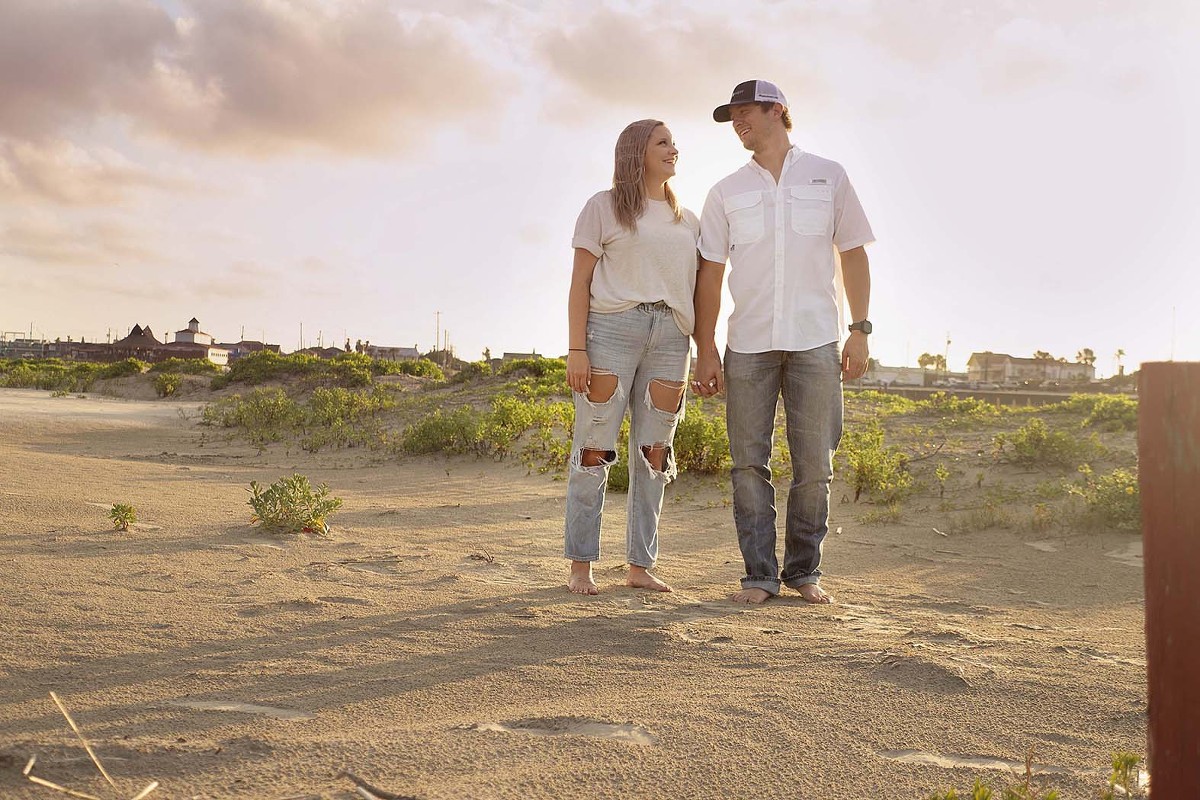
576	349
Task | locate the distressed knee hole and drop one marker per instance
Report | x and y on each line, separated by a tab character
660	460
656	455
666	396
602	385
596	458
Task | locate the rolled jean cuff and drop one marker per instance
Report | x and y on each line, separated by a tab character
581	558
805	580
769	585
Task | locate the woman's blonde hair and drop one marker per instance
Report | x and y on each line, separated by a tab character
629	172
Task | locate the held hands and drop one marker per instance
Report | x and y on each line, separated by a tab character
854	356
708	379
579	371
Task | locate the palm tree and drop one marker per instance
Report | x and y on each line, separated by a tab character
1086	356
1119	355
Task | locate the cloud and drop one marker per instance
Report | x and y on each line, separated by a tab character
244	280
263	75
98	244
64	173
650	60
251	76
66	60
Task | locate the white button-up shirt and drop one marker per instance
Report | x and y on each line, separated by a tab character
779	240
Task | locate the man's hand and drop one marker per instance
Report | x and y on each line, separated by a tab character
854	356
708	379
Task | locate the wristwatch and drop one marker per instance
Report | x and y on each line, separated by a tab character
863	325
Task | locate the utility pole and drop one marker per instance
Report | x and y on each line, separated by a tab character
946	355
437	329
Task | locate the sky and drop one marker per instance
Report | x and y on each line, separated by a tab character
388	170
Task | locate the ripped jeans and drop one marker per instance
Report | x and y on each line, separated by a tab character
644	350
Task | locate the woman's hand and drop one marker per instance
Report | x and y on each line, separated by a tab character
579	371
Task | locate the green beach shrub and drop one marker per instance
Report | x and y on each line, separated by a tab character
873	468
1113	500
186	366
122	515
701	443
167	383
123	369
292	505
1034	444
539	367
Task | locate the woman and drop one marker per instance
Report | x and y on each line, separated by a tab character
630	315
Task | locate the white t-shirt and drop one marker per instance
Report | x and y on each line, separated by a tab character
656	263
779	240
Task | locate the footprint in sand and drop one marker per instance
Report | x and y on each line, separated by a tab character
955	761
572	726
1131	555
918	673
947	606
348	601
302	604
289	714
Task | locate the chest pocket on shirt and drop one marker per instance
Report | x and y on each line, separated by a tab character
745	215
812	209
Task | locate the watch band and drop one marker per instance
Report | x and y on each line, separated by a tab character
863	325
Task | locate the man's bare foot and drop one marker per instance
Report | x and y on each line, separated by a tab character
581	581
640	578
752	596
813	593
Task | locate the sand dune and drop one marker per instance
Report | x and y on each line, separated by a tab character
227	663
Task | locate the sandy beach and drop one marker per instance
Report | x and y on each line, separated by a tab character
429	647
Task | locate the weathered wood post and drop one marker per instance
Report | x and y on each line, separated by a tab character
1169	480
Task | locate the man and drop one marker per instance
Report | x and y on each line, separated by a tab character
778	220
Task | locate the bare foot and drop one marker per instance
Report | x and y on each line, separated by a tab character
813	593
640	578
581	581
752	596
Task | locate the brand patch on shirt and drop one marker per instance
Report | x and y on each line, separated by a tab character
819	180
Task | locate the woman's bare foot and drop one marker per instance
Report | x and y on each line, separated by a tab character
752	596
813	593
581	581
640	578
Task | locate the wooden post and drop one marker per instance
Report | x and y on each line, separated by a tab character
1169	479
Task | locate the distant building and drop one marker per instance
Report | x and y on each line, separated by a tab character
322	352
518	357
246	347
193	335
392	353
1003	368
881	375
28	348
191	342
140	343
215	354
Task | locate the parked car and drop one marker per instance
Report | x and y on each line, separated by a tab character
986	385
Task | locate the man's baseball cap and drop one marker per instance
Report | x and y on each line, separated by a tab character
750	92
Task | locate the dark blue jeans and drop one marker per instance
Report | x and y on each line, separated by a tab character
811	386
